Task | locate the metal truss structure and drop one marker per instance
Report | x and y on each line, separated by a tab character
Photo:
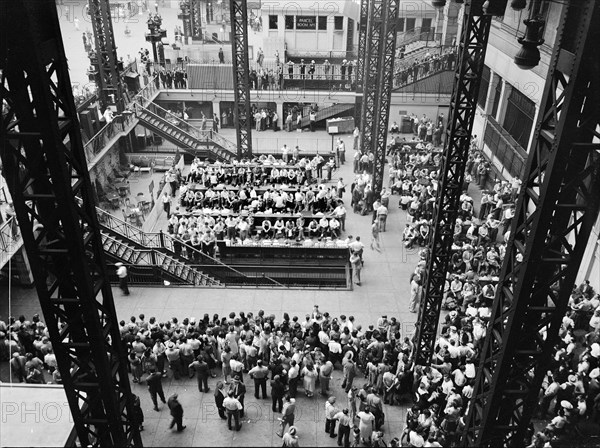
556	210
387	56
108	79
360	62
368	128
241	76
195	11
463	105
376	71
46	169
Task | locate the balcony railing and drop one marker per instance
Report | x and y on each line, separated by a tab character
120	124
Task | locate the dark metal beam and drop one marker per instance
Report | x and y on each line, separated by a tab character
108	79
463	105
385	84
360	62
46	170
556	210
241	77
368	132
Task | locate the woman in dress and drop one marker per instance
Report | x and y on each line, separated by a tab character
367	421
310	379
225	358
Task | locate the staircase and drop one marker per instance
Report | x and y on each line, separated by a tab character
327	112
440	82
146	263
202	144
129	244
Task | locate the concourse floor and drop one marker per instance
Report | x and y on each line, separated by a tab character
384	290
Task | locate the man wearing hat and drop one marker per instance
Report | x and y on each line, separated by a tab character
302	69
239	391
122	274
566	391
154	382
174	359
311	69
290	438
343	69
176	413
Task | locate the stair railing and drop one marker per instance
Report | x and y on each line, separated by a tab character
152	240
153	257
189	131
202	135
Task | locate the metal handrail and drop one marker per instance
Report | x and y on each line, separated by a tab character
420	75
274	281
159	240
228	149
98	142
200	134
157	258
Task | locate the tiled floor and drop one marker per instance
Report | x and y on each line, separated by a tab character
384	290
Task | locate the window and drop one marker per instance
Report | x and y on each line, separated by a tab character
483	88
410	25
400	25
289	22
496	101
273	22
338	23
518	120
505	149
426	25
322	22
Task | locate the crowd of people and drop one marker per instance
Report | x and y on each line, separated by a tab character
246	352
223	202
428	64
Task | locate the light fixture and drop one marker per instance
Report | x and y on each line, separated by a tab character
529	54
438	3
518	5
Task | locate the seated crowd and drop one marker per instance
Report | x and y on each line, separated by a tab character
254	201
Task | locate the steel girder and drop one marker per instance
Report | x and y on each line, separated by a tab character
360	62
108	79
556	210
463	105
45	169
195	7
371	76
385	84
241	76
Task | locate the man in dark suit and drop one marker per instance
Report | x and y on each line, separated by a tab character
239	391
176	413
154	382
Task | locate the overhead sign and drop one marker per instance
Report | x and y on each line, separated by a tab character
306	22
